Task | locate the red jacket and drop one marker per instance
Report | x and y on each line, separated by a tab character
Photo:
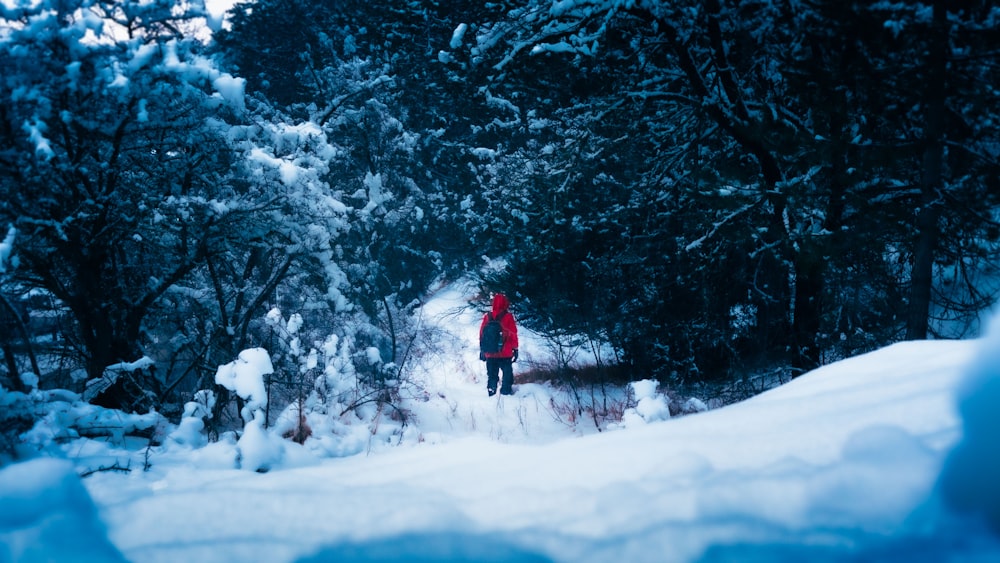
507	326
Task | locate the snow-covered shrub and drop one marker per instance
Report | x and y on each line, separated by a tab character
191	430
693	405
245	376
331	395
259	449
16	417
650	406
328	383
43	422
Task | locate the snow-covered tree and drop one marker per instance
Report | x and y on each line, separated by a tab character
775	181
386	105
116	168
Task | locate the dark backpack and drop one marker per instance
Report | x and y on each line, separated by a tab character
491	340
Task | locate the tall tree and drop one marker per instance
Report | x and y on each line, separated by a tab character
114	159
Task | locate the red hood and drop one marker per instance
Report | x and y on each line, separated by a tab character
500	304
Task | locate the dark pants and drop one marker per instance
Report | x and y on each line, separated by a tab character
495	365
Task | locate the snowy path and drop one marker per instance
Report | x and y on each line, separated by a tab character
456	382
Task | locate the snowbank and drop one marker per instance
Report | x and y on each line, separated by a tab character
865	459
47	515
971	478
840	464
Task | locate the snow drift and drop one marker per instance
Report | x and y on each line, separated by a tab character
841	464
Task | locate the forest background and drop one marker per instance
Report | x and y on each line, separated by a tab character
707	193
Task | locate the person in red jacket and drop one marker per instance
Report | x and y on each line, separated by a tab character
504	359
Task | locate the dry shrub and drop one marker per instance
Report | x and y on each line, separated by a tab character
614	374
300	432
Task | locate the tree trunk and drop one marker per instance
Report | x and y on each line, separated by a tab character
12	371
810	270
925	247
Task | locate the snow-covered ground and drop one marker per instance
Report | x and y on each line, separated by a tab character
890	456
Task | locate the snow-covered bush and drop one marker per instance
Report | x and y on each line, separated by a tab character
649	407
42	422
16	417
332	396
245	376
191	429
